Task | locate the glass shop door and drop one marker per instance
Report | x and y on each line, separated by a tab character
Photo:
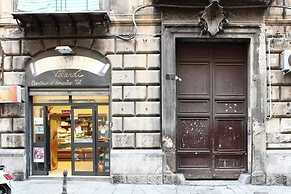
83	138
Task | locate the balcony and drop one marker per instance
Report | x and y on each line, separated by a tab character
40	16
223	2
54	6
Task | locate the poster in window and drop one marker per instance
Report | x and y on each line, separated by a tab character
38	121
38	130
38	154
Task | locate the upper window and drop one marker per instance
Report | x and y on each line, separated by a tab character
43	6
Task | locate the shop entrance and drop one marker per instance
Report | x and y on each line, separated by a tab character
70	133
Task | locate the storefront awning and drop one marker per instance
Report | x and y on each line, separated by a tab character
62	22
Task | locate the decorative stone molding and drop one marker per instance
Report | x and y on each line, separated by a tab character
213	18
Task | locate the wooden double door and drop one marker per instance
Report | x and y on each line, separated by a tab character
211	110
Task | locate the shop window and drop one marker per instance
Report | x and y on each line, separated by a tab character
50	99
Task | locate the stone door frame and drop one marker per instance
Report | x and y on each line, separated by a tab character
257	88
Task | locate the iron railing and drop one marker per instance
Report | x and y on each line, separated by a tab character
51	6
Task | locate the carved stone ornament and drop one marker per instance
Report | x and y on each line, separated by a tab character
213	18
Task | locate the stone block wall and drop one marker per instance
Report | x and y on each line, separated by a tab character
136	131
12	121
279	126
135	88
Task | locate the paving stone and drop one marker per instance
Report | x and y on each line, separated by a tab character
93	187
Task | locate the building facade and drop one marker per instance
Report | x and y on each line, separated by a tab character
146	91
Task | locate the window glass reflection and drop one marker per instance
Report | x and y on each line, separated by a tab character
103	133
83	125
90	99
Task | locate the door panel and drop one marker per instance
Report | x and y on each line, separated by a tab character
229	80
201	85
83	140
194	133
211	110
229	135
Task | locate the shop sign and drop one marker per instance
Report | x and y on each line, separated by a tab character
68	71
10	94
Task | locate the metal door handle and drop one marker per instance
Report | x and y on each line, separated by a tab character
172	76
177	78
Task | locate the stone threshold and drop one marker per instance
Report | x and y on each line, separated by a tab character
211	182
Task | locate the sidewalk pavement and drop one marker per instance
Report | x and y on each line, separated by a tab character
93	187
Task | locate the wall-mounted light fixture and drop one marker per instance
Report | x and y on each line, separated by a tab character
64	50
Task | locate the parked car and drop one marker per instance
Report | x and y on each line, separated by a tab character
5	180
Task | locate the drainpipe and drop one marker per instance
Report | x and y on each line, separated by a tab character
269	78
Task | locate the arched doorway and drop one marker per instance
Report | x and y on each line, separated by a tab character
69	107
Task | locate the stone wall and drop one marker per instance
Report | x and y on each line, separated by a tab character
12	122
136	110
278	162
136	154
